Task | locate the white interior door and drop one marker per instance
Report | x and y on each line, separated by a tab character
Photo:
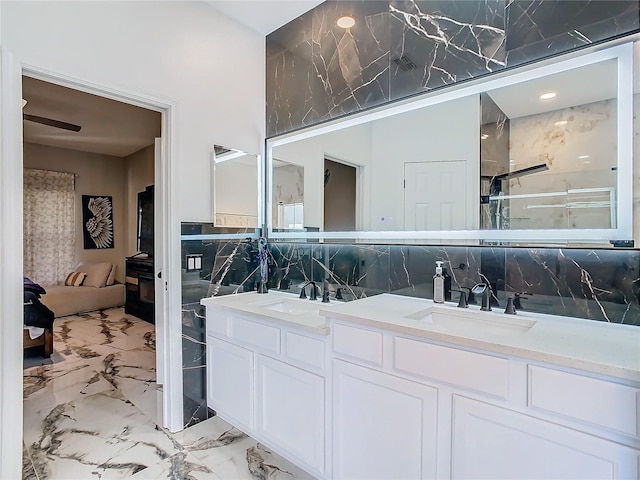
435	195
158	260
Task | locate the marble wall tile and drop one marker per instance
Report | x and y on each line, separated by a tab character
352	64
600	285
412	269
597	284
579	155
290	78
436	43
537	29
317	71
360	270
290	266
495	130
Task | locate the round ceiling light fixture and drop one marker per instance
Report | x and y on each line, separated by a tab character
346	21
561	123
547	96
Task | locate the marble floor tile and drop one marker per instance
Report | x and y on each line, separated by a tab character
103	435
177	467
231	454
95	414
46	387
214	441
28	470
258	462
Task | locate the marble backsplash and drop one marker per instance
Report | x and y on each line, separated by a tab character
595	284
317	71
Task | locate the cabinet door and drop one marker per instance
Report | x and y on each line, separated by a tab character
384	427
493	442
230	381
291	412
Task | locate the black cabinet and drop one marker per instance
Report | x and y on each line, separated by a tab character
140	286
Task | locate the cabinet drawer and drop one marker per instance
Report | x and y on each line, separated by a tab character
217	322
475	371
357	343
265	337
305	350
605	404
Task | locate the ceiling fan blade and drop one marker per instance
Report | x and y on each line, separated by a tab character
52	123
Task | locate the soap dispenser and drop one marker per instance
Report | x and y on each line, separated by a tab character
438	284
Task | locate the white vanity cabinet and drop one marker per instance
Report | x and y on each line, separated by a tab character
291	411
372	391
230	381
407	407
384	426
269	380
500	444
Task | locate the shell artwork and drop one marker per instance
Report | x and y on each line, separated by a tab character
100	226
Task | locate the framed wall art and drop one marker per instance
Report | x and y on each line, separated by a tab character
97	221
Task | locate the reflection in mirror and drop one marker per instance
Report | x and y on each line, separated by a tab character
548	151
492	161
288	195
235	188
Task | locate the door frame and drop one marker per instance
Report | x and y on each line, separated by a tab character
11	238
361	205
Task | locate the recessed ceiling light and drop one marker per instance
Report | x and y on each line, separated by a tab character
346	21
484	136
582	157
561	123
548	95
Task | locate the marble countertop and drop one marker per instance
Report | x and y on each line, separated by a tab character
275	306
598	347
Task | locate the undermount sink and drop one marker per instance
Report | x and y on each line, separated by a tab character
466	320
291	306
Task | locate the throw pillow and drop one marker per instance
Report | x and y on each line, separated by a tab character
75	279
97	273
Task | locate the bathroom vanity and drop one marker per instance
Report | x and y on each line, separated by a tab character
397	387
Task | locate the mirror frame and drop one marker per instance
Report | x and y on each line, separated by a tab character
624	192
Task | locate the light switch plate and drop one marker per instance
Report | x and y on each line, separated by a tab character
194	262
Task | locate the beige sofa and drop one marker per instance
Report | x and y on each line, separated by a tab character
97	292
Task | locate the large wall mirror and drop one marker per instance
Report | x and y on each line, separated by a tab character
236	188
537	155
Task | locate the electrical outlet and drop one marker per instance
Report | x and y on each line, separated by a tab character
194	262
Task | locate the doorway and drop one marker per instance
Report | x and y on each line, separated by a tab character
11	172
340	186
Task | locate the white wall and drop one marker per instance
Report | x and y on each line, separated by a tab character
351	146
97	175
182	51
445	132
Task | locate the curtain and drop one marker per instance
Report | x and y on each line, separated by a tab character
49	233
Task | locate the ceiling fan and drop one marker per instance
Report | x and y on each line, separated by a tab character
49	121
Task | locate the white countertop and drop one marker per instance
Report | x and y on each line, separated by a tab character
602	348
303	314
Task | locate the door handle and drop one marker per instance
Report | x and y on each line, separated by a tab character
159	274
